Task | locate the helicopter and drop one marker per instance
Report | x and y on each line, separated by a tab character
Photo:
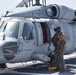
26	31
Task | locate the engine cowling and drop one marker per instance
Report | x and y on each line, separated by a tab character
62	12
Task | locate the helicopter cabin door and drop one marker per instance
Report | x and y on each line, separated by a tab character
43	33
28	37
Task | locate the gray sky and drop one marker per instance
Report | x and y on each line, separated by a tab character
9	4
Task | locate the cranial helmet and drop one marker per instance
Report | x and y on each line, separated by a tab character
57	28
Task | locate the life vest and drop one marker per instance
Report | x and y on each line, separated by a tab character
58	40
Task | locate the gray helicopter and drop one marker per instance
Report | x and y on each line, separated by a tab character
26	31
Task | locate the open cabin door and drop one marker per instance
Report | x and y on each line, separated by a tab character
43	33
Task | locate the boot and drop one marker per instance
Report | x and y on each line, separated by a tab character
3	65
52	68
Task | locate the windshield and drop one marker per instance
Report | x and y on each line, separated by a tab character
10	29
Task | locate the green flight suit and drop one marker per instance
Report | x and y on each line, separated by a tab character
59	44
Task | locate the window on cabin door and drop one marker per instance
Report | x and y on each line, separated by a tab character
27	31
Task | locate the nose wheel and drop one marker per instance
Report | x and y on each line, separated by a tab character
3	65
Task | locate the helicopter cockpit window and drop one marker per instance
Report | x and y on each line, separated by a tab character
27	31
10	29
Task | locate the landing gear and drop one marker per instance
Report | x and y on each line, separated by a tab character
3	65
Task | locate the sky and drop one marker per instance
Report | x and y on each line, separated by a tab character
9	4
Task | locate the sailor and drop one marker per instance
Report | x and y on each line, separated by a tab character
59	44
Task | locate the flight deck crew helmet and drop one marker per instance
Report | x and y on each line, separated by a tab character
57	28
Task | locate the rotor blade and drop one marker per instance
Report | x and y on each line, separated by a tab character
22	3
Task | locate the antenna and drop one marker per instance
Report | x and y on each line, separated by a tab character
37	2
44	2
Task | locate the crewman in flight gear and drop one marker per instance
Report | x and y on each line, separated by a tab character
59	44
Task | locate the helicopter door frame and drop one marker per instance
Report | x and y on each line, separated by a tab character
39	34
20	39
46	32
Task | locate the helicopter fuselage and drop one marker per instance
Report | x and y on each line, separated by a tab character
25	40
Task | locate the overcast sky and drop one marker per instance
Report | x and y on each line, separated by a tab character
9	4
